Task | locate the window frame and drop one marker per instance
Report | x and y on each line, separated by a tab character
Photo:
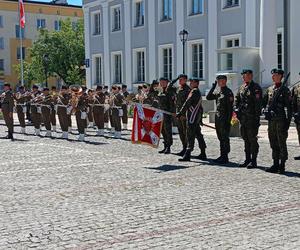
94	76
161	62
3	63
161	12
113	69
225	7
93	26
2	42
190	13
190	57
40	20
224	40
20	32
134	16
19	52
112	18
1	21
135	64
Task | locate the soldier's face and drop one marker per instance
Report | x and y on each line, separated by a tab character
222	83
163	84
247	77
6	88
194	84
277	78
46	92
182	81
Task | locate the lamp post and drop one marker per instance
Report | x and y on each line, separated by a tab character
183	38
46	61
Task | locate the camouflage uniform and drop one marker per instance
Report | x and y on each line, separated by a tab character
224	103
248	108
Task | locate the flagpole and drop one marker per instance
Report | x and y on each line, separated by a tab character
21	46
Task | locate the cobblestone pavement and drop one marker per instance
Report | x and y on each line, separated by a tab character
110	194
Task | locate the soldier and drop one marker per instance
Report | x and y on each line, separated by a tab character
21	98
152	97
248	109
296	110
224	102
193	110
81	114
116	102
106	110
181	96
7	107
54	94
64	110
125	93
46	107
98	110
279	98
166	97
35	109
90	110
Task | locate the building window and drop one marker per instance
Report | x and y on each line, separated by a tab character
41	23
116	18
1	43
57	25
19	53
197	60
232	41
117	67
167	10
196	7
1	22
166	61
2	64
18	32
98	76
96	24
231	3
279	50
139	65
139	13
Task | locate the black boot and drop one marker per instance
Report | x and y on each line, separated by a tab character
163	150
11	136
297	158
167	151
281	169
202	156
222	160
182	152
247	161
187	156
253	162
274	168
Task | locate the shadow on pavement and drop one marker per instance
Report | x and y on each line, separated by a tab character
167	168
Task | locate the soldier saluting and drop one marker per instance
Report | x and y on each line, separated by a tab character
7	106
248	103
277	101
224	102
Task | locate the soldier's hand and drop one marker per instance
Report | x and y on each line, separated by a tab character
214	85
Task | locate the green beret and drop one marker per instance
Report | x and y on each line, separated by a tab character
277	71
221	77
183	76
247	71
163	79
194	79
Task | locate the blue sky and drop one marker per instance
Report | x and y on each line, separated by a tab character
74	2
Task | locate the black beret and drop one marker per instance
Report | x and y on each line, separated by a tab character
21	87
53	87
35	87
247	71
221	77
194	79
99	88
163	79
154	82
183	76
45	89
105	87
64	87
6	85
277	71
124	86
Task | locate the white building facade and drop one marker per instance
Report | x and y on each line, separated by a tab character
136	41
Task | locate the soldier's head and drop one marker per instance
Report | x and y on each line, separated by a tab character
64	89
90	92
277	75
222	80
21	88
154	85
53	89
182	79
35	88
6	87
46	91
163	82
114	89
247	75
99	89
124	87
145	88
194	83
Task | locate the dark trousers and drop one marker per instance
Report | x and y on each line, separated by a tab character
98	113
36	117
298	131
249	135
63	118
223	132
81	123
182	129
125	114
116	120
194	132
9	121
21	116
106	116
53	117
46	116
278	134
90	114
167	130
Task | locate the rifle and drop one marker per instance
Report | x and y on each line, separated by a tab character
270	110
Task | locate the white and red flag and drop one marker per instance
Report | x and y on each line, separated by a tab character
147	125
22	14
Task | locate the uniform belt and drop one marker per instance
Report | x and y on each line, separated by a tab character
47	106
116	107
99	105
60	105
20	104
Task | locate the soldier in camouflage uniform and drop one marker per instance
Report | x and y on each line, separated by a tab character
224	102
181	96
166	97
279	120
7	107
193	110
296	110
248	103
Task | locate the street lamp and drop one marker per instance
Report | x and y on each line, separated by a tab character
183	38
46	61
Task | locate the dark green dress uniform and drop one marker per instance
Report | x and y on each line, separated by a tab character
46	107
181	97
116	110
224	108
81	115
21	108
7	106
36	111
63	112
193	110
98	111
166	99
125	111
248	105
278	125
152	99
296	111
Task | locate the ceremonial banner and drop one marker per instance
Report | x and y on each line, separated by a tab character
147	125
22	14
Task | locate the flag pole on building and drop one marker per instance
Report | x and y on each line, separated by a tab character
21	26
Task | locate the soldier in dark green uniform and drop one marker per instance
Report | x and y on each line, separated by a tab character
248	103
7	107
193	110
224	102
125	94
279	120
296	111
151	98
181	96
166	97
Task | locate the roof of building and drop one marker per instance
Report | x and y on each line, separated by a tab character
52	3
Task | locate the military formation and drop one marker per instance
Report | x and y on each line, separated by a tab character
180	105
